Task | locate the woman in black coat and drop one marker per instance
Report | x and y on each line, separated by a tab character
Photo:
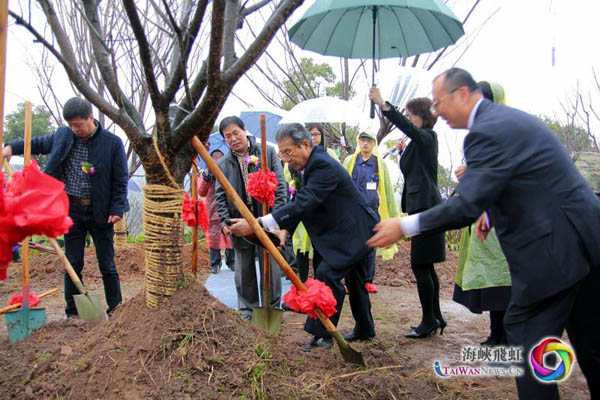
419	166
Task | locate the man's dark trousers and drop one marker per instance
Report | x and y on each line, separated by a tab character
74	248
574	309
360	304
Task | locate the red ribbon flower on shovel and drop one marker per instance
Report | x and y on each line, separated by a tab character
262	186
16	298
32	203
317	295
189	216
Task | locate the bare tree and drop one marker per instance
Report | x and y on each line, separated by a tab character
579	110
194	98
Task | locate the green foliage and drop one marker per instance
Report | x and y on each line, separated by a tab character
136	239
188	234
312	80
41	124
575	138
453	239
257	370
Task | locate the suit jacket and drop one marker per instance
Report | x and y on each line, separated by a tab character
547	218
106	153
336	216
231	169
419	165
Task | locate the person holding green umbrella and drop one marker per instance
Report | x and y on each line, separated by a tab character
376	29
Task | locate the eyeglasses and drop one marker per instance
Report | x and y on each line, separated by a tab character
436	103
287	153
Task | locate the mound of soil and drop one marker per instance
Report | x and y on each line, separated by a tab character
397	271
192	345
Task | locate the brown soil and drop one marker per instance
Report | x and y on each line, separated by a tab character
194	347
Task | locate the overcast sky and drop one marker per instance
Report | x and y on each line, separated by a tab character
513	48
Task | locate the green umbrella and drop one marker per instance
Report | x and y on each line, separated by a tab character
376	28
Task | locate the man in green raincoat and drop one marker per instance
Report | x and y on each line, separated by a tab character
372	179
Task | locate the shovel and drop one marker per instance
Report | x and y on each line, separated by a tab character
266	317
88	305
23	322
349	354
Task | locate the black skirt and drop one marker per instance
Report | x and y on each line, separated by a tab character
478	300
428	248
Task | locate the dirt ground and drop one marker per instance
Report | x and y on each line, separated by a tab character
194	347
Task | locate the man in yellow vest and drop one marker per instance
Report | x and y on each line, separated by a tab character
372	179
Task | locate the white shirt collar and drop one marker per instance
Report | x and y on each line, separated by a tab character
473	113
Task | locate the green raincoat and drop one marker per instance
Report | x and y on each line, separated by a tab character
482	264
388	207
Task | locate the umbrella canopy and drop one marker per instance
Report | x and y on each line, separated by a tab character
215	142
252	121
325	110
401	28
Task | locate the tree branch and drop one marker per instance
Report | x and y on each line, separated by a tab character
146	58
277	19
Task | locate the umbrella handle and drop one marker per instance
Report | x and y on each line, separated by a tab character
372	109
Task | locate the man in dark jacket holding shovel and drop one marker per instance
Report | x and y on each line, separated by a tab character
91	162
338	222
244	159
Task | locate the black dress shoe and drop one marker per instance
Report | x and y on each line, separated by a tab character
353	337
416	334
319	342
491	342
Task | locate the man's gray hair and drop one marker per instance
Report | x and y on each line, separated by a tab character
297	132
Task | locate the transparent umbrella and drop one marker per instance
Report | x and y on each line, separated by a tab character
323	109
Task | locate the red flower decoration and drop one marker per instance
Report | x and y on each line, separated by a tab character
189	214
262	186
32	204
317	295
34	299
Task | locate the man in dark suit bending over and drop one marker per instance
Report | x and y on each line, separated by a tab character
338	221
546	217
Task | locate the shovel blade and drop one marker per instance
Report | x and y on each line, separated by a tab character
89	307
268	319
349	354
22	323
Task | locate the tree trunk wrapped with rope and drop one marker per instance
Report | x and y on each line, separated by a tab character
121	233
163	237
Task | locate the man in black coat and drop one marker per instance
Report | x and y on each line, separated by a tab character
91	162
546	218
236	166
338	222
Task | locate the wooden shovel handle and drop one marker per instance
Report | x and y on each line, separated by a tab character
262	236
17	305
265	206
7	166
68	266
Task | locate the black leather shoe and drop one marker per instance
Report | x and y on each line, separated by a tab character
353	337
322	343
491	342
415	334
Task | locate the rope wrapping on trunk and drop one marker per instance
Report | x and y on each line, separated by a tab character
163	239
